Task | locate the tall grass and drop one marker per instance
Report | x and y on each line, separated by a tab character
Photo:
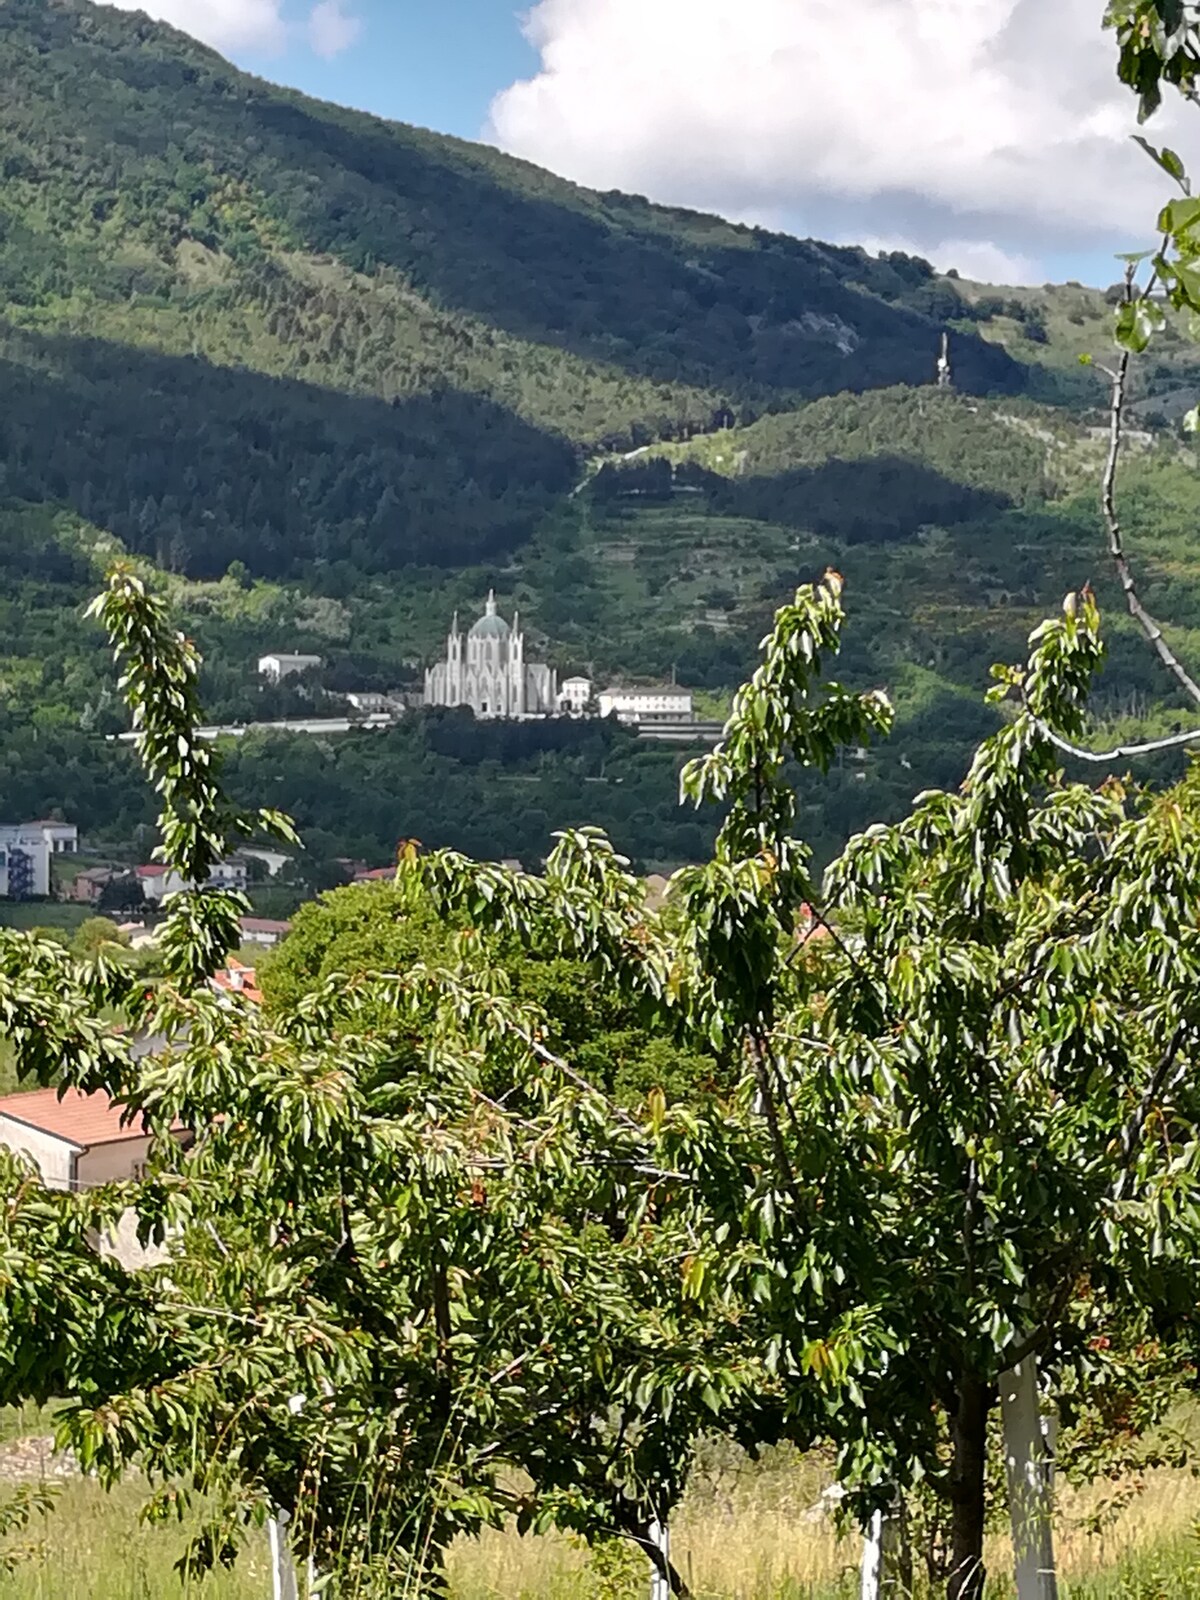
756	1533
94	1547
743	1533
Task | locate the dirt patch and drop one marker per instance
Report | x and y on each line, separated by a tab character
35	1457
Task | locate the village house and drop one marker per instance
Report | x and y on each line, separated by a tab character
90	884
265	931
158	880
281	664
81	1141
236	979
575	696
78	1141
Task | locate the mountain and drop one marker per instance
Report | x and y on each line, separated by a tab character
335	378
380	344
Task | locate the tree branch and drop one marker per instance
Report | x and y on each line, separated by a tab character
1132	1131
1033	1343
1150	747
1112	521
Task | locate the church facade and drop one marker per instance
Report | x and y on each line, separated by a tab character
486	669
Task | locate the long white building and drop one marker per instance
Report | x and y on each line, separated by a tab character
486	669
653	703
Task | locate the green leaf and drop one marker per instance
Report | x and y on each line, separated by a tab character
1136	324
1179	217
1164	158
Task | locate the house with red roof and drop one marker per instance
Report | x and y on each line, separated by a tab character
235	980
158	880
76	1140
81	1141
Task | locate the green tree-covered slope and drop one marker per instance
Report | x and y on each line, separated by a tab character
374	342
995	517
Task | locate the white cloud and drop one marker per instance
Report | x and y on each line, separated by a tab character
979	259
330	29
996	125
258	25
225	24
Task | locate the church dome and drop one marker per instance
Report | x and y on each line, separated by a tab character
490	626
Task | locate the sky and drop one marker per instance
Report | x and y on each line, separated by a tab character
987	135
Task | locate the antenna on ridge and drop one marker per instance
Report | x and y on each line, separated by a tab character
945	378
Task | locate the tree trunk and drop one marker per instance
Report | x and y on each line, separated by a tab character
660	1581
655	1542
871	1584
283	1567
968	1436
898	1551
1030	1498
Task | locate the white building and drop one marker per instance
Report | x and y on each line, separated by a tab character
61	837
26	849
273	860
158	880
376	704
656	703
266	931
486	670
280	665
575	695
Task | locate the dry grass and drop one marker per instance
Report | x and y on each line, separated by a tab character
746	1533
93	1547
743	1533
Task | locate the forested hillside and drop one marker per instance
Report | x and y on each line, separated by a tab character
380	344
336	377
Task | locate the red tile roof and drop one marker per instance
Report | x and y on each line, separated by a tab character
150	872
375	875
237	978
80	1119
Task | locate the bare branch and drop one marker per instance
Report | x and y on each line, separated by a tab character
1174	741
1112	522
1133	1129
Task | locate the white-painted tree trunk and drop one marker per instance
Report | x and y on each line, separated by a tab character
660	1584
1030	1465
283	1567
872	1560
887	1559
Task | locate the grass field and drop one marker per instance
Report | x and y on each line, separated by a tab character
28	914
744	1533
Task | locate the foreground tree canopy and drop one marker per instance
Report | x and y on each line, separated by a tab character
881	1140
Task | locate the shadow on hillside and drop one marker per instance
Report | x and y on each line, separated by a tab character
877	499
198	465
665	295
589	279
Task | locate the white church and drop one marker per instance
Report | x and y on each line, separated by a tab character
486	669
